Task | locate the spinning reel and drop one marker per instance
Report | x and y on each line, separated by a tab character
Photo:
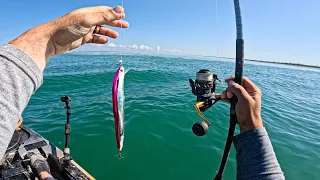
204	88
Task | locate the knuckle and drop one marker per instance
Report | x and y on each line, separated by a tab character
259	91
108	15
239	91
238	88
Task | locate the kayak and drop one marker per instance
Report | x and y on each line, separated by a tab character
25	142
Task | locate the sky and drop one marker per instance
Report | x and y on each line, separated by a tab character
274	30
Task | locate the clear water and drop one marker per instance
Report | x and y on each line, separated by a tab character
159	143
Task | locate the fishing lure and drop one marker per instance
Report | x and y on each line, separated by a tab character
118	106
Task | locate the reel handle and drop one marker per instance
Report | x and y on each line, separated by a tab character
197	107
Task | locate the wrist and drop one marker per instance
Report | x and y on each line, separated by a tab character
251	124
36	44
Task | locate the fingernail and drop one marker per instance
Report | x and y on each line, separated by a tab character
118	9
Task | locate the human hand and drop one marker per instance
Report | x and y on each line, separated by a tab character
248	107
70	31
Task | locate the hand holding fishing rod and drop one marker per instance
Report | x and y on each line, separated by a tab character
248	107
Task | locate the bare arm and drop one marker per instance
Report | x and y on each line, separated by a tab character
69	32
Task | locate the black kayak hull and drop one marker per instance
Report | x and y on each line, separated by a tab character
25	141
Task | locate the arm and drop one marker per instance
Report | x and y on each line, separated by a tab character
20	77
23	60
255	156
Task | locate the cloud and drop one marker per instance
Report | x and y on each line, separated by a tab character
143	48
111	45
96	44
172	50
134	46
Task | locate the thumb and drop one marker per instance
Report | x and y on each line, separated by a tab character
108	15
238	90
99	15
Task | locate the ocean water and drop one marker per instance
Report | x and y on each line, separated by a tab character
159	143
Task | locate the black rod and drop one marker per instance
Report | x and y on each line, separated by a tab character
234	100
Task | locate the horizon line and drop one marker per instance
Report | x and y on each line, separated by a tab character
219	57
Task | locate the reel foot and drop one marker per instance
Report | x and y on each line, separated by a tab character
200	128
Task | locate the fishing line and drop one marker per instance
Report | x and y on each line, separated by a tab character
118	97
121	32
217	23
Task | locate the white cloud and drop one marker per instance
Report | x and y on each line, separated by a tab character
134	46
111	45
144	48
96	44
172	50
140	47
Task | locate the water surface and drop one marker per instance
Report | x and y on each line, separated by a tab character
159	143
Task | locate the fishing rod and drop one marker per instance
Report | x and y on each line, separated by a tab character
204	88
238	79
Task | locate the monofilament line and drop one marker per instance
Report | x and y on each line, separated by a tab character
217	21
121	31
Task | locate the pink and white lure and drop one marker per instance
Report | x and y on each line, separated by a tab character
118	106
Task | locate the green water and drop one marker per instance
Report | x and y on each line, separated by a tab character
159	143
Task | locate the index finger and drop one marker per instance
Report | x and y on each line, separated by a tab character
119	23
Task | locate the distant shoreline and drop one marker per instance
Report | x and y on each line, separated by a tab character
253	60
291	64
273	62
